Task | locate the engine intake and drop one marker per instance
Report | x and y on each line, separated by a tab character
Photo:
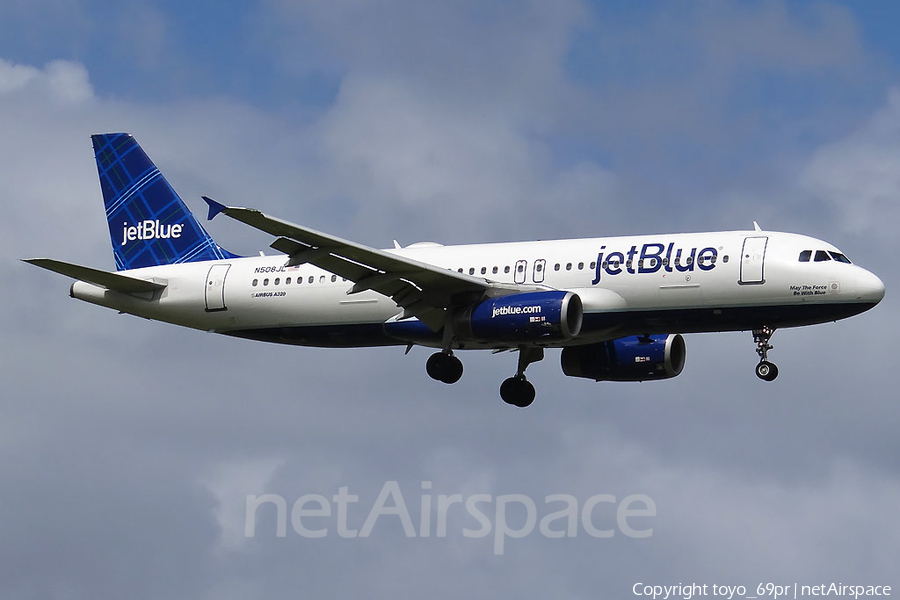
635	358
528	317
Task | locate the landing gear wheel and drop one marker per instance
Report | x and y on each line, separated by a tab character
766	371
453	370
517	391
444	367
434	366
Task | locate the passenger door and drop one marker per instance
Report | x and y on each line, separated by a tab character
753	256
215	288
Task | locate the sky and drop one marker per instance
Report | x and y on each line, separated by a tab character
130	447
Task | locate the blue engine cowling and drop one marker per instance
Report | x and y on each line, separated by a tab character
635	358
528	317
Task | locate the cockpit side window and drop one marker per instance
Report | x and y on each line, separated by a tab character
840	257
805	255
822	256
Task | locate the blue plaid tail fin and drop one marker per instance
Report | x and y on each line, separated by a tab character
149	224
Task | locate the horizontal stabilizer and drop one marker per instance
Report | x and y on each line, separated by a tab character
111	281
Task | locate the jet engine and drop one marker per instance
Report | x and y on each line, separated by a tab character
635	358
527	317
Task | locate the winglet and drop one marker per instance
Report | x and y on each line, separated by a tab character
214	207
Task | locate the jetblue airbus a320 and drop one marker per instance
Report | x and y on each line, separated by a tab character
615	306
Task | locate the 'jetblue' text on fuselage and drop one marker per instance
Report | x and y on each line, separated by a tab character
652	257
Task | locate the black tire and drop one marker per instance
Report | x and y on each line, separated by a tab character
452	369
435	366
526	394
517	391
508	390
766	371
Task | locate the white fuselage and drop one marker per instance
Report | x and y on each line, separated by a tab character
671	283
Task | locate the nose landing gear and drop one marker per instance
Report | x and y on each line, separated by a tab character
517	390
764	370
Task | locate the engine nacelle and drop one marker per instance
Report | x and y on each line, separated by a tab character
528	317
635	358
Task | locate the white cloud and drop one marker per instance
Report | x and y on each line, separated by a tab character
65	81
859	175
230	483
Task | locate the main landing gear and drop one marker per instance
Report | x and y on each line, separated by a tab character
517	390
764	370
445	367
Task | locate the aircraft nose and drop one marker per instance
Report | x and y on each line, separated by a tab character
869	287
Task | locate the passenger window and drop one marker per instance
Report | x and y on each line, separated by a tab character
287	281
255	282
725	259
581	266
539	267
805	255
568	266
460	270
311	279
266	281
483	270
471	270
840	257
333	278
321	279
520	268
593	265
494	270
822	256
506	269
556	267
277	280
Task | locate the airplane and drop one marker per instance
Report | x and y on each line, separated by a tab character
617	306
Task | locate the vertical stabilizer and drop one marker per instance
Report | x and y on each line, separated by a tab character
149	224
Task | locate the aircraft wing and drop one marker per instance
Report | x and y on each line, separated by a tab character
422	290
110	281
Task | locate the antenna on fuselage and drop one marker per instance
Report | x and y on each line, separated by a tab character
756	226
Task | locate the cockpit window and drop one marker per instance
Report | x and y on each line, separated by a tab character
805	255
840	257
822	256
